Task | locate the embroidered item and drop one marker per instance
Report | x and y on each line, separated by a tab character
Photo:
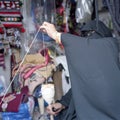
10	4
11	19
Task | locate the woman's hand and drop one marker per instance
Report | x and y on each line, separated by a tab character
50	29
55	108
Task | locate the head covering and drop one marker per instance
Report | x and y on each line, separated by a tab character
99	28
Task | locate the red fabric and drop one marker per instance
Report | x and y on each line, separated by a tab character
13	105
22	29
1	30
2	60
10	13
9	25
47	60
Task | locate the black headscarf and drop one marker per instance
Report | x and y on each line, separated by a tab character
99	27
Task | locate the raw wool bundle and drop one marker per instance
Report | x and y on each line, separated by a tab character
46	71
38	77
34	59
35	69
38	66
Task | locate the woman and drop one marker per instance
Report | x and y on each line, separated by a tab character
94	73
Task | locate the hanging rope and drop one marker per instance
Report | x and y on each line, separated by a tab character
96	13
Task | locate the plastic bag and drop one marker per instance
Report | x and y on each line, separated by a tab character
83	11
3	85
22	114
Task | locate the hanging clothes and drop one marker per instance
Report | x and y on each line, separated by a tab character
2	58
114	9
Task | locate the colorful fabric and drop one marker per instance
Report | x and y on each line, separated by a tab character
10	5
2	59
11	19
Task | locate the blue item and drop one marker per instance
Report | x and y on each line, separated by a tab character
44	37
37	92
23	114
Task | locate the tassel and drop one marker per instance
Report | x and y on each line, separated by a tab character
1	30
13	5
22	29
2	4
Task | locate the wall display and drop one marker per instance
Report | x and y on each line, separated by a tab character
10	15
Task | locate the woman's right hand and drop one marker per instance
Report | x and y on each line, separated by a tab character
54	108
51	31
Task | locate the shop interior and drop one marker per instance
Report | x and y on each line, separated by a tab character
33	67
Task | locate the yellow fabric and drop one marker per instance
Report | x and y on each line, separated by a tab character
46	71
34	59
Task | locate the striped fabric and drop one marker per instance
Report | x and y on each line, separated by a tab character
10	14
2	60
11	19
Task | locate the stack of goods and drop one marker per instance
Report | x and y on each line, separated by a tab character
11	21
36	69
10	15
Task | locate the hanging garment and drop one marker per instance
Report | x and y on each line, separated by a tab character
2	60
114	9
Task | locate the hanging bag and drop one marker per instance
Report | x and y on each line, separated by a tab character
83	11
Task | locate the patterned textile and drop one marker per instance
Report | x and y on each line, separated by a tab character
10	5
10	15
2	59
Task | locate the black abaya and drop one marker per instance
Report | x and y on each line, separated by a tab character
95	77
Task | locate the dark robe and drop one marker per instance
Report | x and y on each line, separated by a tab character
95	77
